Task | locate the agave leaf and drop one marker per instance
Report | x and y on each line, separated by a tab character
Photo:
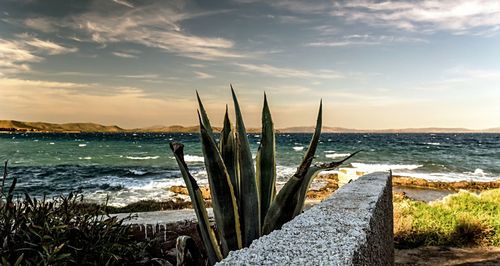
187	252
283	208
206	232
204	116
223	200
249	191
311	174
227	150
266	162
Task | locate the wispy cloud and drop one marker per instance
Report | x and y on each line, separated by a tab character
124	55
49	47
462	73
124	3
476	17
365	39
14	57
203	75
41	24
14	82
17	54
458	17
283	72
142	76
156	25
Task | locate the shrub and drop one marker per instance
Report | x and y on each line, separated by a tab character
61	231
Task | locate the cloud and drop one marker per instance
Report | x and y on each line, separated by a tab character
16	55
49	47
474	17
155	25
143	76
19	83
365	39
203	75
281	72
40	24
462	73
124	55
457	17
124	3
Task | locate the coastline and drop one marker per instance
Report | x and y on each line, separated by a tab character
415	188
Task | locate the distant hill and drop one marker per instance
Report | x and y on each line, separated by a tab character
12	125
19	126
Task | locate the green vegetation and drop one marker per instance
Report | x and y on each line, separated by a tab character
61	231
244	199
461	219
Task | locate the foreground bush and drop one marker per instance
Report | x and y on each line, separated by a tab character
62	232
461	219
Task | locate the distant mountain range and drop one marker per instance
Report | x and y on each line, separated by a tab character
19	126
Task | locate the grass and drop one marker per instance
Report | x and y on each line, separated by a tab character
461	219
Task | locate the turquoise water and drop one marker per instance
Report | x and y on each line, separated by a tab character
131	167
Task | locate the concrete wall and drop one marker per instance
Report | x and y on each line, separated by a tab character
353	227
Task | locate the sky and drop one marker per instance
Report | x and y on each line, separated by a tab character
375	64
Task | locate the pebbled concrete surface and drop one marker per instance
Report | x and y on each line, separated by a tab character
353	227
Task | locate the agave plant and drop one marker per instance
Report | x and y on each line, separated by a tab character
245	202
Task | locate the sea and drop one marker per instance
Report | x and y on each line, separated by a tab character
128	167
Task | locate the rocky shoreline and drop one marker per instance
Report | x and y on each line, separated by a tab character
330	183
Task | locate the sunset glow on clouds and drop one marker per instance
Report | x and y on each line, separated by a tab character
138	63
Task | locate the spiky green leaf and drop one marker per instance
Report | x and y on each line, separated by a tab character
249	191
206	232
223	200
187	252
204	116
227	150
311	174
283	208
266	162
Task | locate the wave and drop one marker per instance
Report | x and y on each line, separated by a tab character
479	175
142	158
193	158
336	155
432	143
85	158
451	177
330	151
82	145
137	172
298	148
384	167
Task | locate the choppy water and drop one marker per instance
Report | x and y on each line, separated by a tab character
131	167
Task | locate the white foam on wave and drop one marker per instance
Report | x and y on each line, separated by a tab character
137	172
133	189
407	170
479	171
142	158
433	143
329	151
85	158
82	145
298	148
451	177
193	158
384	167
336	155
